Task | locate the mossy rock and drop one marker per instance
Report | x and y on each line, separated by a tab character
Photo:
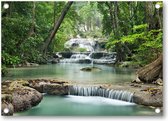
6	98
90	69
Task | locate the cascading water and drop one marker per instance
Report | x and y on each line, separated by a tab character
77	58
99	91
91	59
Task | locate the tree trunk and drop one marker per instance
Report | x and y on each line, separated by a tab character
111	11
54	11
56	26
151	16
152	71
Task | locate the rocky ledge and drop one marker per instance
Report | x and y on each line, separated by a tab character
21	95
18	96
143	94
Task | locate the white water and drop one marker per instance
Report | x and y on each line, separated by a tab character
96	100
76	58
102	92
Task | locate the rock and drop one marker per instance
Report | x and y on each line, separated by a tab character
90	69
34	64
25	98
85	43
66	54
135	85
27	64
55	60
56	89
137	80
38	84
7	106
43	85
88	57
159	82
57	55
21	95
149	96
148	100
85	61
17	96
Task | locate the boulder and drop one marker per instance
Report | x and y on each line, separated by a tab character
89	69
66	54
148	99
55	60
25	98
17	96
7	106
56	89
6	100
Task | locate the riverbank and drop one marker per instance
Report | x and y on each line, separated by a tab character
20	95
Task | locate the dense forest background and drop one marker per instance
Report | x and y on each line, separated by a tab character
132	29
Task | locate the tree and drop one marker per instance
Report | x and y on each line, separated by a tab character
123	22
56	27
152	71
32	28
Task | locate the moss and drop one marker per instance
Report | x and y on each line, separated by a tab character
6	98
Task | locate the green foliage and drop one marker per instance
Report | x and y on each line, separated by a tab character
4	70
81	49
10	60
131	31
58	43
89	21
145	46
23	39
126	26
151	48
140	28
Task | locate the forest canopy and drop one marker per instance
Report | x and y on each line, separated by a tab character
132	29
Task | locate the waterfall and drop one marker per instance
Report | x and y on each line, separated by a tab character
99	91
77	58
91	59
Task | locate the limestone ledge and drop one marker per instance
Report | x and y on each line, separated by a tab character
20	95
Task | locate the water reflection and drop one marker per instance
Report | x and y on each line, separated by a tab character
72	72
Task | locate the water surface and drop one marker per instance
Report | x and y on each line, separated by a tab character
72	72
86	106
77	105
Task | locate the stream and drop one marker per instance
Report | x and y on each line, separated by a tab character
79	105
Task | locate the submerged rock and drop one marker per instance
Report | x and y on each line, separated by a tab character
89	69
